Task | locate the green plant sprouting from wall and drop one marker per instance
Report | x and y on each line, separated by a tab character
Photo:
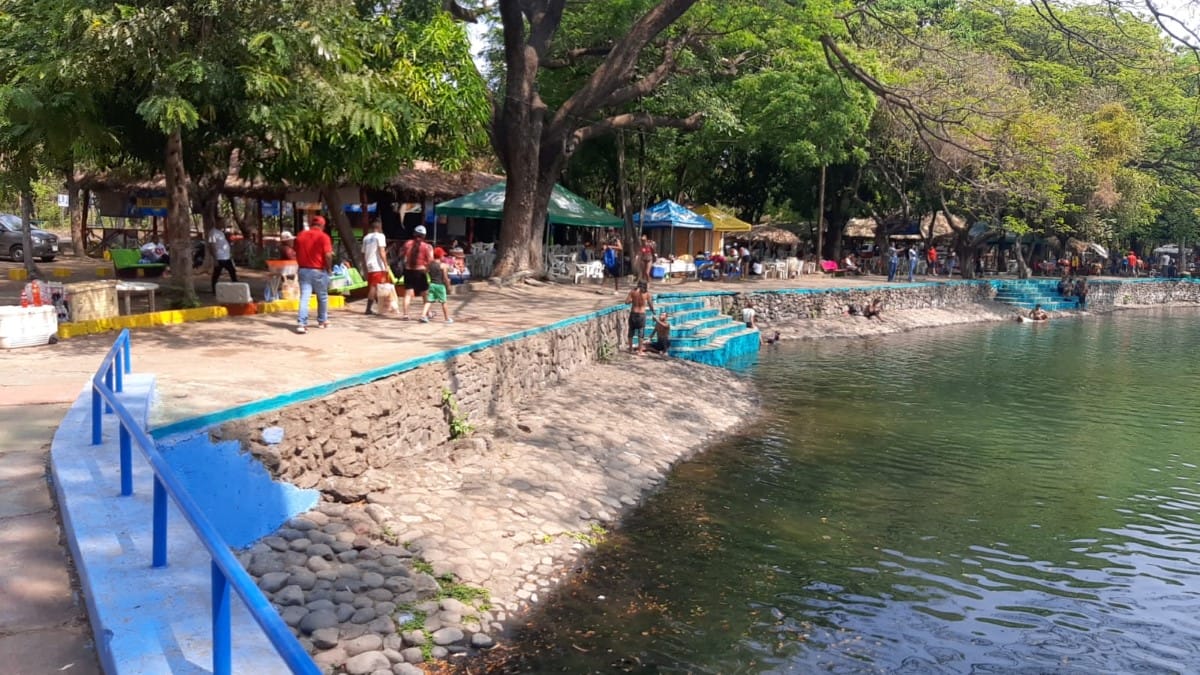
460	426
606	351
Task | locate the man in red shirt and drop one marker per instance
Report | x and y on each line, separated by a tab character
314	255
931	260
416	254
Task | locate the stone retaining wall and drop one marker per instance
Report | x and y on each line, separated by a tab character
1110	294
339	443
791	304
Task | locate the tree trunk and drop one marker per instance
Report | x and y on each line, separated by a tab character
626	204
248	220
1022	267
85	206
179	218
27	232
75	210
821	216
337	211
967	251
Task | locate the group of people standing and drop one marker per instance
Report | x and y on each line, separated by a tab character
425	273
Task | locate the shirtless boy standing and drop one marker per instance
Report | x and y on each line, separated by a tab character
639	301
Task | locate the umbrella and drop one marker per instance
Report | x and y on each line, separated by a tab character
1098	250
566	207
671	215
722	222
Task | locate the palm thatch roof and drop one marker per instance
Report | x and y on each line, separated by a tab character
775	236
421	182
424	181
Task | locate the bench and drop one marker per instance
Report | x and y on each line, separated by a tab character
128	265
831	267
345	284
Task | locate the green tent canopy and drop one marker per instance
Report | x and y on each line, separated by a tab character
566	207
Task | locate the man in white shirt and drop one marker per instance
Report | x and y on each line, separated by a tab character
375	256
222	255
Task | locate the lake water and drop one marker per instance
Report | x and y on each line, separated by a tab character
983	499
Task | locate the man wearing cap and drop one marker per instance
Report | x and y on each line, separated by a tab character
417	254
314	255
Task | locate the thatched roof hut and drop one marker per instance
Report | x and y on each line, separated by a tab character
422	182
774	236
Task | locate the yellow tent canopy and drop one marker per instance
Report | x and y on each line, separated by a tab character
722	222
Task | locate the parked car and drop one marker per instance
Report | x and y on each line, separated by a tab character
45	244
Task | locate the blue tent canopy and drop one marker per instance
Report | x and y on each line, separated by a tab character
669	214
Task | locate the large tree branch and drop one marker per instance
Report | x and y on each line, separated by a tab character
619	65
634	121
573	56
652	80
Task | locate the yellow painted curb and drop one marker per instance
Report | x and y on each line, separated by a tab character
166	318
17	274
175	316
61	272
278	306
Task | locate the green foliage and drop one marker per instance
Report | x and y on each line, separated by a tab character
460	426
606	351
594	536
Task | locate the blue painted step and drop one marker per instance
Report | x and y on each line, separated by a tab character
705	335
1029	293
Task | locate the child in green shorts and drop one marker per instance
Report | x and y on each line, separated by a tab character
439	281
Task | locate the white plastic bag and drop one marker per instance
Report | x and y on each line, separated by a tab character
386	299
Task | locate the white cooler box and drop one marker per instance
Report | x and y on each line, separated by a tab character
27	326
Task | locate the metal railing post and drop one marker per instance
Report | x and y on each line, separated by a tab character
119	372
160	524
96	415
221	623
126	460
125	347
108	382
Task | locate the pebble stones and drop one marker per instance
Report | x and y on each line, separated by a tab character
346	593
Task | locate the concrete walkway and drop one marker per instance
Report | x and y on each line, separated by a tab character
43	626
202	368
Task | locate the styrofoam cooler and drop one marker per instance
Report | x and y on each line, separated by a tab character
27	326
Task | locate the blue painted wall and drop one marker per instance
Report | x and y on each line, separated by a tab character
233	489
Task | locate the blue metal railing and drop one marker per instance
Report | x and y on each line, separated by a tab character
227	572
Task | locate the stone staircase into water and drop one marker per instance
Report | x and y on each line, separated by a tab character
703	334
1028	293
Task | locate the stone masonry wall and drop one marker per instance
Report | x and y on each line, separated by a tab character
778	307
339	444
1109	294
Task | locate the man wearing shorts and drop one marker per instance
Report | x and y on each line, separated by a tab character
417	254
639	301
375	255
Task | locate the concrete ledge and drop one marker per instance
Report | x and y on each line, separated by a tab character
176	316
144	620
116	323
277	306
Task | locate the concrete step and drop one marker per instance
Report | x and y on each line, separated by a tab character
722	350
708	336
